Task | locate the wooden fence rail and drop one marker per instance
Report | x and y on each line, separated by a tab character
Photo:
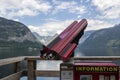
31	71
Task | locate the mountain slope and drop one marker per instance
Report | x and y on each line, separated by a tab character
85	36
15	33
42	39
15	40
103	38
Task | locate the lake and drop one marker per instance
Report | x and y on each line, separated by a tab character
52	65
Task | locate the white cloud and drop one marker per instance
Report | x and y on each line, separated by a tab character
16	20
19	8
98	24
55	26
108	8
112	13
71	6
51	27
11	8
84	1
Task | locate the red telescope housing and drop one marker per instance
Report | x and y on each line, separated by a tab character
63	45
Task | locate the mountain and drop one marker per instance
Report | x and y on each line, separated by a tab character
45	39
16	40
85	36
14	33
103	38
42	39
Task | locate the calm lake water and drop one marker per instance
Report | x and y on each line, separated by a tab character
52	65
100	52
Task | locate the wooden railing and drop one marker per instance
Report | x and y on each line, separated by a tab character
31	71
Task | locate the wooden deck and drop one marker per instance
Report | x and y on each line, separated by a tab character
31	71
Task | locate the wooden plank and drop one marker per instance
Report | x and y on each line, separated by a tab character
44	73
11	60
33	58
38	58
31	70
16	67
47	73
97	58
17	59
79	58
14	76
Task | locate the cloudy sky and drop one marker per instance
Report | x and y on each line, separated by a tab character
48	17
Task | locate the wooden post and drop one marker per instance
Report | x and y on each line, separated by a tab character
31	70
17	68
